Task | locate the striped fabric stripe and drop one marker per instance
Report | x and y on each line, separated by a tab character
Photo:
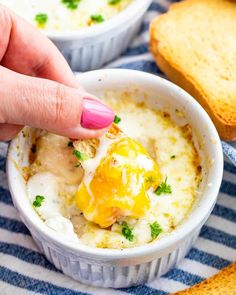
21	281
24	270
11	289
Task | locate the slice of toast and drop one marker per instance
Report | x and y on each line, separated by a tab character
223	283
194	44
89	146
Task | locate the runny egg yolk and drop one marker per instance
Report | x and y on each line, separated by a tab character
119	184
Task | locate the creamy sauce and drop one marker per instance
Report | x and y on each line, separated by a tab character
170	146
57	16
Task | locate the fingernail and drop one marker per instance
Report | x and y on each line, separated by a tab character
96	115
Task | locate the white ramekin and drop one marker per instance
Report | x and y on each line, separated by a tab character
90	48
127	267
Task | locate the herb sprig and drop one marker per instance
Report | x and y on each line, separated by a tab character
114	2
155	229
163	188
97	18
71	4
80	156
127	232
41	19
117	119
38	201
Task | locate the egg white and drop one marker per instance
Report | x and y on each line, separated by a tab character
47	184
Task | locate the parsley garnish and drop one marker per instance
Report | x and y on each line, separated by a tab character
113	2
117	119
38	201
70	143
163	188
155	230
173	157
127	232
41	19
71	4
98	18
80	156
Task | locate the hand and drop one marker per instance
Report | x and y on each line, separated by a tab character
37	87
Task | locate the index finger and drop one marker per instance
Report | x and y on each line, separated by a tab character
25	50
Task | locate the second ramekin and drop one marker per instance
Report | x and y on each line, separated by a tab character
127	267
90	48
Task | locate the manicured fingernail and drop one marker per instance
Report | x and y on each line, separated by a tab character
96	115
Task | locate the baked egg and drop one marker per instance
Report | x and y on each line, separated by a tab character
130	187
117	177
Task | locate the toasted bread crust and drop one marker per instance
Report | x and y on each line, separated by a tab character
224	282
223	113
89	146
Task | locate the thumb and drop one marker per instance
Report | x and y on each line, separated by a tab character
51	106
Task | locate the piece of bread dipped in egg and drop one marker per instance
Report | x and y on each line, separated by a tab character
118	173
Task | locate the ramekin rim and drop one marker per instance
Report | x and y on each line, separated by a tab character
167	241
116	21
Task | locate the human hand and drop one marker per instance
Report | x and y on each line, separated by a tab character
37	87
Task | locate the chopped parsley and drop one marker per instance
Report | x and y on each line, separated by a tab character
80	156
41	19
117	119
163	188
38	201
114	2
173	157
70	143
155	230
127	232
97	18
71	4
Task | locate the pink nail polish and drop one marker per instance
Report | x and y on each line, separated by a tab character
96	115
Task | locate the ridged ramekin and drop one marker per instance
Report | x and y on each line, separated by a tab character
90	48
127	267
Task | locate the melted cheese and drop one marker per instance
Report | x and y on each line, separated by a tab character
60	18
163	139
117	185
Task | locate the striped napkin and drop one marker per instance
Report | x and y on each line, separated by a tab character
24	270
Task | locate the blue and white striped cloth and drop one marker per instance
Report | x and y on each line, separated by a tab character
23	270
